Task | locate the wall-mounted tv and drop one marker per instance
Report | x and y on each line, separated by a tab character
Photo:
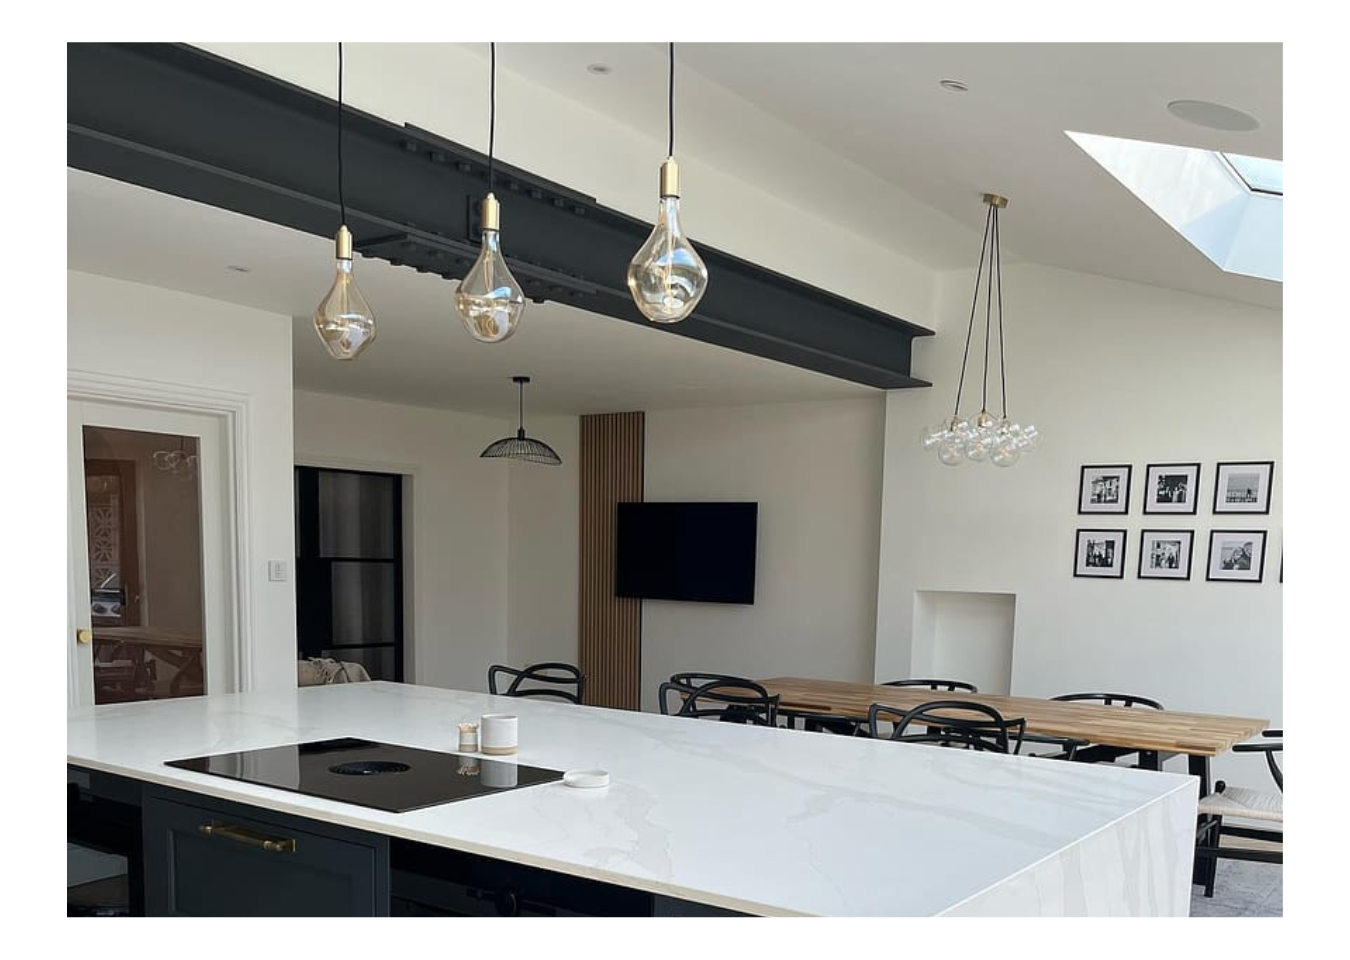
686	551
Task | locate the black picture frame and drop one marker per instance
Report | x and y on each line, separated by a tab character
1216	536
1104	471
1080	565
1261	504
1144	540
1157	507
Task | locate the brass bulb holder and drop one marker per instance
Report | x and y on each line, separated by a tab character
492	213
670	178
344	243
994	200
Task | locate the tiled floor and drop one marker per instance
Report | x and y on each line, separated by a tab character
1242	889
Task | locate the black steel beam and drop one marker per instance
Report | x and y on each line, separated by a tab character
182	121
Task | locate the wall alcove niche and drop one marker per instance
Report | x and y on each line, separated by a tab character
963	635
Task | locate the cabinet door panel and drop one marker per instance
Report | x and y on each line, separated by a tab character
216	859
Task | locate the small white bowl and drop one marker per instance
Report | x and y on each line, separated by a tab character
586	778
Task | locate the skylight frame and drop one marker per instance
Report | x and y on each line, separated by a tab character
1242	178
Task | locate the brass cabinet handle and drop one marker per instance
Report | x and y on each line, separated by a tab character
84	635
251	837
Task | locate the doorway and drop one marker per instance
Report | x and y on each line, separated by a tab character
149	583
349	568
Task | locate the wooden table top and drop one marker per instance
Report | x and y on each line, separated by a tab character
1137	728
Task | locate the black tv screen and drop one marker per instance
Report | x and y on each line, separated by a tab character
686	551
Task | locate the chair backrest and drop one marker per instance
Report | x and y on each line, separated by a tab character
563	681
729	699
951	685
1111	699
1271	750
975	727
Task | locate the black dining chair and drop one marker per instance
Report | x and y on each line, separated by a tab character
561	681
975	727
728	699
1098	752
1113	699
1244	803
952	686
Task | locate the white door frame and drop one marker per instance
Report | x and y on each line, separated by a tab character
233	411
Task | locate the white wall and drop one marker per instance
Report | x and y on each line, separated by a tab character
544	548
456	518
129	330
1112	372
815	470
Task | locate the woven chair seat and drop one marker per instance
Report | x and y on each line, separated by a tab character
1242	802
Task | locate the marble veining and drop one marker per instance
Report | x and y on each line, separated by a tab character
767	821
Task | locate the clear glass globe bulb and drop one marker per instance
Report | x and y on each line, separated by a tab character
489	301
932	436
1005	454
667	277
343	319
977	451
1031	437
950	453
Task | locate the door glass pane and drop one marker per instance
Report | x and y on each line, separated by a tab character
363	602
143	503
378	661
356	515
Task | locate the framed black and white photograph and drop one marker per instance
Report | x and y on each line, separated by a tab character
1236	555
1165	554
1099	553
1243	487
1104	489
1171	487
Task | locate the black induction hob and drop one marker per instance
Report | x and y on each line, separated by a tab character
385	776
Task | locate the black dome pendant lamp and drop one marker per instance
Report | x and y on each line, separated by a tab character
521	447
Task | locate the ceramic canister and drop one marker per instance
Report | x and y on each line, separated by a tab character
497	734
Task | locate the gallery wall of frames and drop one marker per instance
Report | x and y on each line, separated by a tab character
1165	551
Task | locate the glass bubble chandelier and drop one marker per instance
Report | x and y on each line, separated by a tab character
996	439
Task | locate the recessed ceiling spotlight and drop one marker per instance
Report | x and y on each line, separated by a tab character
955	86
237	268
1215	116
599	68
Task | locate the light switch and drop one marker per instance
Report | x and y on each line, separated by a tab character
276	570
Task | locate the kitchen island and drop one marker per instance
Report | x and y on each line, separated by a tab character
699	816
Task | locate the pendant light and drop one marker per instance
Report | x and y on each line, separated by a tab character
667	277
521	447
343	319
996	439
489	301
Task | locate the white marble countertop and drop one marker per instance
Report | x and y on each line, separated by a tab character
754	819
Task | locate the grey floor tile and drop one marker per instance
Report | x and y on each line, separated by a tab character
1242	889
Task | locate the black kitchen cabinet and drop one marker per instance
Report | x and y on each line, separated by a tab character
194	855
212	858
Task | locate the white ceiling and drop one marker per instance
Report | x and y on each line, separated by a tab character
581	362
863	132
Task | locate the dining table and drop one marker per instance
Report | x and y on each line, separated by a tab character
1155	735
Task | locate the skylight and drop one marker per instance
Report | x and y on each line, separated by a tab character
1257	173
1229	206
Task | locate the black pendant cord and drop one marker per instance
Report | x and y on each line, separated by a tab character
670	111
342	196
998	267
970	327
989	302
520	409
492	110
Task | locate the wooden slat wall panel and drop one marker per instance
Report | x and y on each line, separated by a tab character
610	631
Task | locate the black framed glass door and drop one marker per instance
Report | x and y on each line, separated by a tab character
349	568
